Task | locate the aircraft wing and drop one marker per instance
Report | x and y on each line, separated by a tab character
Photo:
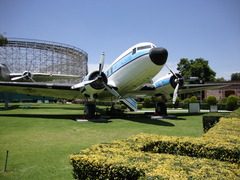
167	89
42	77
41	89
189	88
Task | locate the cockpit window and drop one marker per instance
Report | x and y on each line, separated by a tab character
134	51
144	47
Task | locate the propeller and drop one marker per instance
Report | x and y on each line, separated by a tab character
84	83
171	71
175	93
81	84
106	86
111	90
101	63
25	75
177	81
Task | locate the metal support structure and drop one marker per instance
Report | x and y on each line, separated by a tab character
44	57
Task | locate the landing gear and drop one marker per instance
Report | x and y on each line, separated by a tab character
90	110
161	107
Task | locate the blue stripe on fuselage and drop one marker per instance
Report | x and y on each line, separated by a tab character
162	82
126	60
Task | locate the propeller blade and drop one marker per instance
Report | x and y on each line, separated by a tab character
175	93
112	91
101	63
171	71
17	78
82	84
31	79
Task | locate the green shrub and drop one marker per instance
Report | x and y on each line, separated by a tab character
193	149
139	106
186	101
3	40
147	102
193	99
232	102
211	100
133	158
124	160
95	168
221	142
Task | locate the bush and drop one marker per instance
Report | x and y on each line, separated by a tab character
95	168
221	142
193	99
139	106
133	158
186	101
122	160
147	102
211	100
232	103
3	40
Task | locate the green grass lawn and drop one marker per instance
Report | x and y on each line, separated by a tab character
41	137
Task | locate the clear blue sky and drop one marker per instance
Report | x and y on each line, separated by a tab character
187	28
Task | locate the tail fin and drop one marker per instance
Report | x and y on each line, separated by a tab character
4	72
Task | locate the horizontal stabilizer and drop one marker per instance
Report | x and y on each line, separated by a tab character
130	103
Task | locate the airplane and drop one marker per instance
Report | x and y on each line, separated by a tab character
129	76
6	75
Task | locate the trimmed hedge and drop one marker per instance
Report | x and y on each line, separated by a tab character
220	143
124	160
105	161
173	157
195	148
87	168
209	122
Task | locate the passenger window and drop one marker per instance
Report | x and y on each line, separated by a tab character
134	51
144	47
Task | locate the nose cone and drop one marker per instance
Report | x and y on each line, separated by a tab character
158	55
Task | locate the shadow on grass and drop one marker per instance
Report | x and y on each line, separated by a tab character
146	120
97	119
139	118
28	106
9	108
73	117
188	114
47	116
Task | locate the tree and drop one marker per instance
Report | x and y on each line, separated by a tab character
184	68
3	40
235	77
196	68
221	79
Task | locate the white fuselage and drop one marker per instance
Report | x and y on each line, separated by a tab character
127	74
132	69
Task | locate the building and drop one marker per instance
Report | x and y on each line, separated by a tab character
232	89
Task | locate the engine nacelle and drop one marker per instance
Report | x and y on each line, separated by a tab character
175	80
94	88
168	83
27	75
